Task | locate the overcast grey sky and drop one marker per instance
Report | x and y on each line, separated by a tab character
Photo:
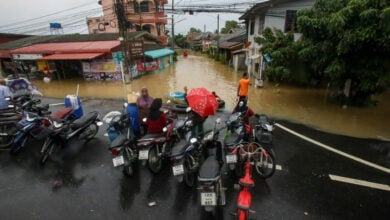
34	16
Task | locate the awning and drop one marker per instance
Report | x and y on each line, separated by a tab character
158	53
69	47
72	56
5	54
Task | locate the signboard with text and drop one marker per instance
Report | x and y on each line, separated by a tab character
136	49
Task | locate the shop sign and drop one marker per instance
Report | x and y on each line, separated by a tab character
26	56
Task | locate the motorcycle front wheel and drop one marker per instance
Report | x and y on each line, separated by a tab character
49	146
154	160
91	131
266	165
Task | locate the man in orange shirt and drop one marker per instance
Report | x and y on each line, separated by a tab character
242	90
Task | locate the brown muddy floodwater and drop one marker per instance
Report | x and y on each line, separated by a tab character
307	106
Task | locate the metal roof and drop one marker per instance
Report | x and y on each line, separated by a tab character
158	53
72	56
69	47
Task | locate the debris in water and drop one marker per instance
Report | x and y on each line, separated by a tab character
151	204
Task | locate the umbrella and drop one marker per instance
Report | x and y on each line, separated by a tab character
202	101
22	86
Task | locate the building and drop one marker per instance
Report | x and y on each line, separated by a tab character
141	15
91	56
279	14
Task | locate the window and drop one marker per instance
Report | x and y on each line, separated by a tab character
252	27
136	7
291	21
144	6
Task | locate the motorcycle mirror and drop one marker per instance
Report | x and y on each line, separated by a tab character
189	123
193	140
99	123
188	109
269	127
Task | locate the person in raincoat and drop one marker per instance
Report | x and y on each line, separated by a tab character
157	120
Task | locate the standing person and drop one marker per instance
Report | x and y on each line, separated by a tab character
157	120
185	94
144	101
243	85
4	94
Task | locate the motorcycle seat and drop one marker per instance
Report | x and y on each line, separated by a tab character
118	141
149	137
84	120
13	117
7	110
62	113
232	140
179	148
209	171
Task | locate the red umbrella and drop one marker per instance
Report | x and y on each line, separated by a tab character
202	101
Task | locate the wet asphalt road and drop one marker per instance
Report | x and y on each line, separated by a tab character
81	183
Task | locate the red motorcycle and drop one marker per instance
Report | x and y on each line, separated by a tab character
250	153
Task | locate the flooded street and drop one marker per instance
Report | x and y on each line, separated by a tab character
307	106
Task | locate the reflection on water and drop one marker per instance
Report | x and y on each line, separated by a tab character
302	105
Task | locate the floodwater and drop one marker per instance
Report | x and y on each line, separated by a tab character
302	105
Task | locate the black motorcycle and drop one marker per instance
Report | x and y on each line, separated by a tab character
58	136
123	144
186	154
212	192
261	133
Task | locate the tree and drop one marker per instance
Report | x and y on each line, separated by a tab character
195	30
348	40
230	25
285	65
180	40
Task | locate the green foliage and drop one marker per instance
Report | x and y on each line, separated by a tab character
348	39
195	30
285	65
180	40
230	25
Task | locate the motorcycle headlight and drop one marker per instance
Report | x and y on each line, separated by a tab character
57	124
209	137
29	118
269	127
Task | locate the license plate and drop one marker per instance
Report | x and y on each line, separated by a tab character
118	161
143	154
178	169
208	199
231	158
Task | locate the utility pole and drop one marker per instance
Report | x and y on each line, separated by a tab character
218	34
123	37
173	25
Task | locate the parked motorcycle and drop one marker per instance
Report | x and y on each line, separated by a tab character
212	192
123	144
186	155
58	136
238	132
